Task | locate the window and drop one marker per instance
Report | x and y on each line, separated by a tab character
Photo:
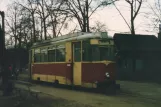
60	53
37	55
104	52
44	57
52	54
95	53
139	64
86	51
77	51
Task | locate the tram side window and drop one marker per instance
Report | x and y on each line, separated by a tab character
51	55
37	55
86	51
44	57
77	51
60	54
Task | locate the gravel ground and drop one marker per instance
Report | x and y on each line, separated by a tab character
141	95
44	101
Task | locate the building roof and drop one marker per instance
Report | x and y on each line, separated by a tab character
128	42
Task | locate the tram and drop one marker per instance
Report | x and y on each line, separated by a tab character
78	59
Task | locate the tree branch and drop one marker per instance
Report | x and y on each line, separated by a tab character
140	3
100	6
122	16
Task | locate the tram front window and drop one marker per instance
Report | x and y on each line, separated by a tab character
104	53
100	53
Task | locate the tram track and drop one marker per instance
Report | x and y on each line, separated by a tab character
120	94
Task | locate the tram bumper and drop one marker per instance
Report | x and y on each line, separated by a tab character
108	86
106	83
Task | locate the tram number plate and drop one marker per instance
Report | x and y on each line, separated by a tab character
68	65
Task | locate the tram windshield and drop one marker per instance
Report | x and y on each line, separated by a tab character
98	53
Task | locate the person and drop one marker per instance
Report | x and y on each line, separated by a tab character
14	71
6	83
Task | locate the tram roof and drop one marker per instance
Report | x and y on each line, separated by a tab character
73	36
128	42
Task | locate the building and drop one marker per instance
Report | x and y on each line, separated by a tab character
139	57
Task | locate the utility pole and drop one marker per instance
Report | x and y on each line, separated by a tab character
2	38
159	34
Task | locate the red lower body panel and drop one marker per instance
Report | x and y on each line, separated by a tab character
59	69
92	72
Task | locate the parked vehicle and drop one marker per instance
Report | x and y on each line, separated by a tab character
79	59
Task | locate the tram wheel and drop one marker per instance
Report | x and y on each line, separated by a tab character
56	83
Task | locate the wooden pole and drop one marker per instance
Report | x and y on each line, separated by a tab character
2	37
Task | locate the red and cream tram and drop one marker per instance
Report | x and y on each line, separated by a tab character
79	59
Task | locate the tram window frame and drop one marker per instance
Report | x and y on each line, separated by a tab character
77	51
60	53
105	54
37	53
44	54
95	55
86	51
98	56
52	53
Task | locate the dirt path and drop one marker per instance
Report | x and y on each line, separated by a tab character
97	100
139	90
44	101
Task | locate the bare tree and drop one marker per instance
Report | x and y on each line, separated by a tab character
31	7
57	18
82	10
99	27
154	14
12	21
43	16
18	25
135	6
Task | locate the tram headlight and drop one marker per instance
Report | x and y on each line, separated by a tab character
107	74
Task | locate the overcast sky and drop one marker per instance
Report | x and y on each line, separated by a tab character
112	19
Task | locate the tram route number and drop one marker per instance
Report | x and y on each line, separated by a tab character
68	65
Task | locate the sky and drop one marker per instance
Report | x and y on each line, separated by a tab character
112	19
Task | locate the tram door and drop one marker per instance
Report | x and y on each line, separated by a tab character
77	63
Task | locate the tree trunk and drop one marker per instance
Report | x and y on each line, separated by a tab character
31	37
54	32
87	18
132	27
44	21
132	20
84	21
15	33
25	37
54	28
15	42
41	30
34	32
20	37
